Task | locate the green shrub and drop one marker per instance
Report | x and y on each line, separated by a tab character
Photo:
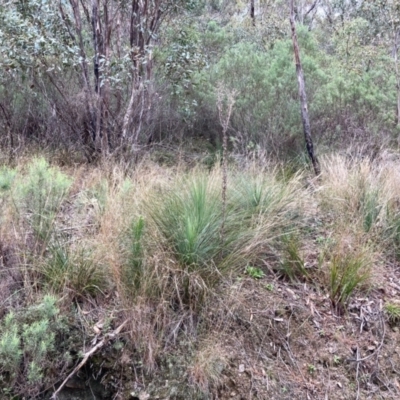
27	345
344	103
10	346
7	176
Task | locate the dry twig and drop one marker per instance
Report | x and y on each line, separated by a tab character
87	356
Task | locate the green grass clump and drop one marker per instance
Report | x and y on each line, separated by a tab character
254	193
190	219
346	273
202	237
392	311
40	194
72	269
370	208
292	265
392	233
133	268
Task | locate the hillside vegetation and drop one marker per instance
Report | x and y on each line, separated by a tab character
162	235
288	290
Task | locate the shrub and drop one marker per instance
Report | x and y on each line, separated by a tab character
27	345
7	176
10	346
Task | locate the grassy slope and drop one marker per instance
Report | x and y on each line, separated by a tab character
294	297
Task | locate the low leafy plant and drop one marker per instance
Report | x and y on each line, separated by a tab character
254	272
346	273
311	369
269	287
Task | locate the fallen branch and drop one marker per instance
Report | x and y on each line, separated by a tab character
87	356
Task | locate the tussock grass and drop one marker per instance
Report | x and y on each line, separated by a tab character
207	366
39	196
366	195
347	272
72	270
392	311
292	265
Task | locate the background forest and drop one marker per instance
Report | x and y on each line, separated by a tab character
114	77
162	235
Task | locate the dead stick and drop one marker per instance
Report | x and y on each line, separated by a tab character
86	357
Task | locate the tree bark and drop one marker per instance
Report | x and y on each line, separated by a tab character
303	97
89	101
396	65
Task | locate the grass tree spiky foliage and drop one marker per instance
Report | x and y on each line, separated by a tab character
190	217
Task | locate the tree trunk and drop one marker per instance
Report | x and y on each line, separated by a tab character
252	12
89	101
303	98
396	65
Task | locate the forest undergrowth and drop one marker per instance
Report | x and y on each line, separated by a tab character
287	287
